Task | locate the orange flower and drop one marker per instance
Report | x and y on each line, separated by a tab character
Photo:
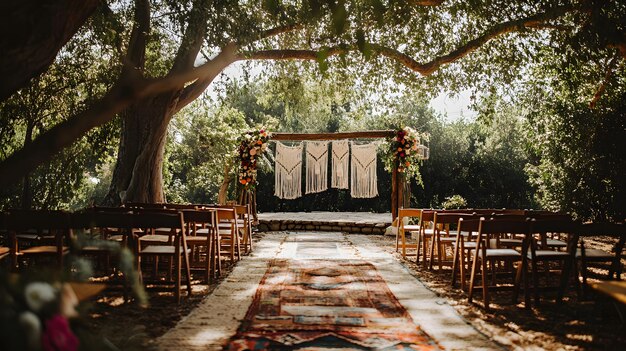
259	142
399	149
408	163
243	181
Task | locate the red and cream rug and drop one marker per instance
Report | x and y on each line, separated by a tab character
327	305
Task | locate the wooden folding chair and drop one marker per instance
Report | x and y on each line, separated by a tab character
404	228
178	251
588	256
55	223
425	234
464	245
489	251
540	252
202	238
443	237
228	231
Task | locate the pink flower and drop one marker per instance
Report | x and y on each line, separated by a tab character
58	335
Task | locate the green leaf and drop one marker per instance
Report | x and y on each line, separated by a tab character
271	6
340	18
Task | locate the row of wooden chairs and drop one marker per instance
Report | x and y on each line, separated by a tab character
151	233
482	240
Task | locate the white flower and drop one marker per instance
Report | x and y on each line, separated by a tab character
32	328
38	294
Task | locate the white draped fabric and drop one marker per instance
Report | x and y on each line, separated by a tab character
364	180
316	166
288	172
340	157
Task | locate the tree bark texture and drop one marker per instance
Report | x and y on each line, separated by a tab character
31	34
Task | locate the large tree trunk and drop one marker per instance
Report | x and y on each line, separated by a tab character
146	182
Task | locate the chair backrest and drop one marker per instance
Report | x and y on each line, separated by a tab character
180	206
451	217
427	216
143	205
553	225
150	219
509	217
18	220
226	214
409	212
470	225
205	216
102	219
504	226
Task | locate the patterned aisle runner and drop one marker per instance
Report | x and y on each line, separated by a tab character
324	305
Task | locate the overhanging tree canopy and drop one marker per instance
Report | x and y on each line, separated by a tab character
419	36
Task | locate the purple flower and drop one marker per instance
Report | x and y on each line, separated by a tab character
58	335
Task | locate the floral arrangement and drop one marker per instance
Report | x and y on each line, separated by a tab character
37	313
252	145
406	149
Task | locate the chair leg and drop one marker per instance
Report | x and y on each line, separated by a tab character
402	236
455	262
419	243
177	275
535	273
565	272
484	281
472	278
432	251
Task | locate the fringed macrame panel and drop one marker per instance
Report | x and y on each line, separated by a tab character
340	157
364	180
316	166
288	173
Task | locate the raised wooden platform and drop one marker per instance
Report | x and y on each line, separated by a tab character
348	222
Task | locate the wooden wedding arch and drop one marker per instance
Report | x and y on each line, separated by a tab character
397	179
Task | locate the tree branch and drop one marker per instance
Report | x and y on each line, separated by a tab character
129	88
426	2
535	22
607	76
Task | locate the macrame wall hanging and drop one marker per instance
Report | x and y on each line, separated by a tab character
288	172
340	157
364	181
316	166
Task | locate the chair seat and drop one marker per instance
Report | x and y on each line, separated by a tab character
511	242
27	236
468	244
155	238
95	249
595	254
505	253
163	230
160	250
411	227
117	237
556	243
196	239
36	250
548	254
4	251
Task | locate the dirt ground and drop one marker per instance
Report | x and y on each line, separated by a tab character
592	324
